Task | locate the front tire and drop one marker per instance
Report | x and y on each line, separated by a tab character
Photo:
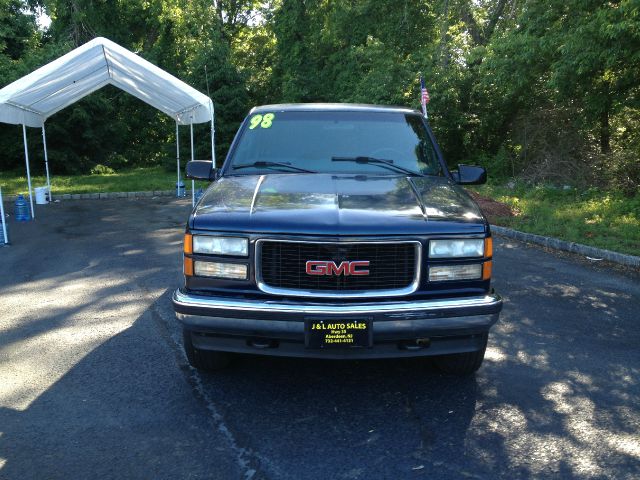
462	364
208	360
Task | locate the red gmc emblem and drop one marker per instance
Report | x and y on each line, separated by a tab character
322	267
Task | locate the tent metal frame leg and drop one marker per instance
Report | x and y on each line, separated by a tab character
213	131
178	158
4	221
193	183
26	158
46	161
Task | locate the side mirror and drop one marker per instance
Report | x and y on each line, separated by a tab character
201	170
470	175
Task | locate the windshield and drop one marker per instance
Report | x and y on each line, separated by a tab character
286	142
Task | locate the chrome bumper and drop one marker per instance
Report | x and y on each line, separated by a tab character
392	310
278	327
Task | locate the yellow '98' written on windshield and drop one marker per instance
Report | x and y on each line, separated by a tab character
263	121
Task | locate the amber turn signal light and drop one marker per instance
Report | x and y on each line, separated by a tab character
188	250
488	248
188	266
486	271
188	243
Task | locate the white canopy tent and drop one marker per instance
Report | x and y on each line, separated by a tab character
32	99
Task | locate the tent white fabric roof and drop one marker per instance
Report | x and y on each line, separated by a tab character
35	97
32	99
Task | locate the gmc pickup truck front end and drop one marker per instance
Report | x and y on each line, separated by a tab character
337	232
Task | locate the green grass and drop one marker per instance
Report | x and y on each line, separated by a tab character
601	219
134	180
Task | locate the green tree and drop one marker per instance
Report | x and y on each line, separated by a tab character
520	85
20	45
568	66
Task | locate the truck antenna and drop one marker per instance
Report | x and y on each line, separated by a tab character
206	76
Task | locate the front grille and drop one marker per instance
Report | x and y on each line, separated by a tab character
392	266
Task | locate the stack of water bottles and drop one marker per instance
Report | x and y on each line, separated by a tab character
22	211
180	191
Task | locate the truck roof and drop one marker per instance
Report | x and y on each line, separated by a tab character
331	107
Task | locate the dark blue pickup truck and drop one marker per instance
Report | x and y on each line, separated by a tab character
337	231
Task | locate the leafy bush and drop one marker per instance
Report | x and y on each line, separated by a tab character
500	166
169	164
102	170
116	161
622	172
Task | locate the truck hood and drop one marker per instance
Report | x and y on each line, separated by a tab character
337	204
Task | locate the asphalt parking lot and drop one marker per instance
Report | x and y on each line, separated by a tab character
94	384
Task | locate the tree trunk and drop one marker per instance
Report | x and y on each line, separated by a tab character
444	28
605	132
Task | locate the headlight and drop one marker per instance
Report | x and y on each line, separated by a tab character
233	271
455	272
220	245
468	247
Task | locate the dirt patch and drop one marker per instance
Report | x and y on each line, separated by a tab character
493	209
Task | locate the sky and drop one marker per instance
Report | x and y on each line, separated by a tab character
42	19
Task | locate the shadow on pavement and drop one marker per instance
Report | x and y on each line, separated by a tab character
123	411
92	382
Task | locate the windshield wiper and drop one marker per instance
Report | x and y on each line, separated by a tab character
377	161
261	164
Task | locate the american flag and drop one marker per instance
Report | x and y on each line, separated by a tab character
424	97
423	90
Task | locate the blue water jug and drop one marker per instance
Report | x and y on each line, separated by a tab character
2	232
22	210
180	189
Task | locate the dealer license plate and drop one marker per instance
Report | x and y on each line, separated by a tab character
331	333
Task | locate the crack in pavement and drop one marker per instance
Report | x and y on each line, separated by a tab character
245	458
